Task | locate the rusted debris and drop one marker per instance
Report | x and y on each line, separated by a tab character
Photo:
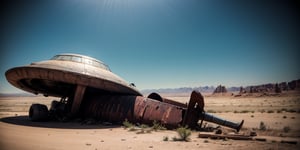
243	137
289	142
221	136
144	110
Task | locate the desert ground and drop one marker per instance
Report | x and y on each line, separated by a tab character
279	115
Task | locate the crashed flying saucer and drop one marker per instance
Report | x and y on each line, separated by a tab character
69	75
60	75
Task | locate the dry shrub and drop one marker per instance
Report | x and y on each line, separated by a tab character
127	124
286	129
262	126
166	138
184	134
157	126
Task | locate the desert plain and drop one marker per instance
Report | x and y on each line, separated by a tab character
274	118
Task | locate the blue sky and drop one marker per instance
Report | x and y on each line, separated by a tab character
159	43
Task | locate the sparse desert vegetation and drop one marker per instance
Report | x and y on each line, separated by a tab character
184	134
262	126
275	118
142	128
286	129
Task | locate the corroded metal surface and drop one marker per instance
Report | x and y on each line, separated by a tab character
165	100
148	110
139	109
194	110
134	108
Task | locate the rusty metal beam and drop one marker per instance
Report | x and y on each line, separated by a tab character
79	93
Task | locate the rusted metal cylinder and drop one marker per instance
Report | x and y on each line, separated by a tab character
211	118
166	100
136	109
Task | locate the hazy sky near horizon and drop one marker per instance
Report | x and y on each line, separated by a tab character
159	43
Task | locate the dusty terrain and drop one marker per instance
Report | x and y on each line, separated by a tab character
280	115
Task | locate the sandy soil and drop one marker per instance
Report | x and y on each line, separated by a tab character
276	112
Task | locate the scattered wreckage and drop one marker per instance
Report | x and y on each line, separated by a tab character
89	89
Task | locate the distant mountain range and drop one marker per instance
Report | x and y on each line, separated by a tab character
185	90
202	89
295	84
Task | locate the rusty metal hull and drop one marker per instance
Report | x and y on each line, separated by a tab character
134	108
71	76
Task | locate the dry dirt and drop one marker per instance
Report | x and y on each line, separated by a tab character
280	115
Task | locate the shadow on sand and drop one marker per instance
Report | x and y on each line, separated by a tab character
24	121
